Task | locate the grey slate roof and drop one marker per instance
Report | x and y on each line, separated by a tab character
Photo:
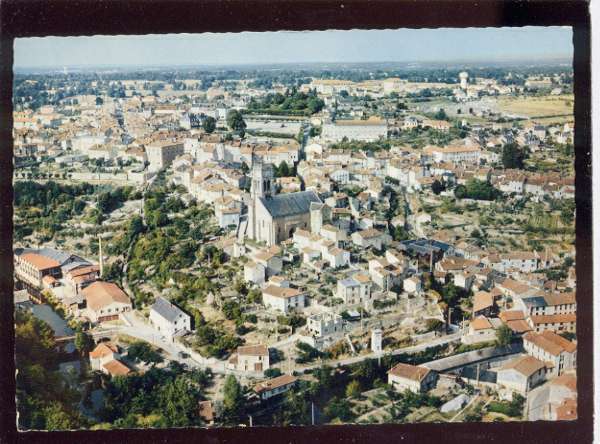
534	301
290	204
166	309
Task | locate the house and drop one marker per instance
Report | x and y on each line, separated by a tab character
254	272
250	358
323	324
161	153
105	358
560	303
412	285
169	319
322	330
354	290
515	320
270	259
521	374
283	299
483	304
555	323
481	329
276	386
524	261
455	154
104	301
417	379
371	238
80	277
559	353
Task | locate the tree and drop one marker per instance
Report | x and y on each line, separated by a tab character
296	409
209	124
433	324
84	343
235	121
441	114
400	233
338	408
512	156
272	372
460	191
57	418
233	399
437	187
99	101
504	335
136	226
178	402
283	170
353	389
141	351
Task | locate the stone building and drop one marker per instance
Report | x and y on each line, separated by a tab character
274	218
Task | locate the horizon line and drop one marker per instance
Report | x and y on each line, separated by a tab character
522	59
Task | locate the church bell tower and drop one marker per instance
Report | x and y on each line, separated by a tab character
262	185
262	178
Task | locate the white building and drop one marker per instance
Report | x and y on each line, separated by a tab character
371	238
412	285
324	324
417	379
558	353
355	290
455	154
276	386
169	319
250	358
521	374
283	299
105	301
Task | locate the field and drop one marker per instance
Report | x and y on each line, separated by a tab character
532	107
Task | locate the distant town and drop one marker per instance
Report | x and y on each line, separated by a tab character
294	246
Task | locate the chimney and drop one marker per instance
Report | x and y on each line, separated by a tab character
100	259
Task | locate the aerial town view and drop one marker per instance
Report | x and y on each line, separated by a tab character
376	227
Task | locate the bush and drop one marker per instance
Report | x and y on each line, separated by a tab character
272	372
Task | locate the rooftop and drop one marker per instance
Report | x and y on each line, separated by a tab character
166	309
415	373
253	350
99	294
274	383
290	204
526	365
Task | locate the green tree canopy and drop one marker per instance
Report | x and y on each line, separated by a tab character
513	156
209	124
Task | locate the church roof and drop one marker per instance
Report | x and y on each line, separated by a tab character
289	204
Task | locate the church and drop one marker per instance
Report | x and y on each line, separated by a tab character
272	218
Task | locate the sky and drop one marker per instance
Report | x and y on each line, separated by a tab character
402	45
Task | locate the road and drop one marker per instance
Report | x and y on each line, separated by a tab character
141	329
412	349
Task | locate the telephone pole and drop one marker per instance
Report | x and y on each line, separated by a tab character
312	412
